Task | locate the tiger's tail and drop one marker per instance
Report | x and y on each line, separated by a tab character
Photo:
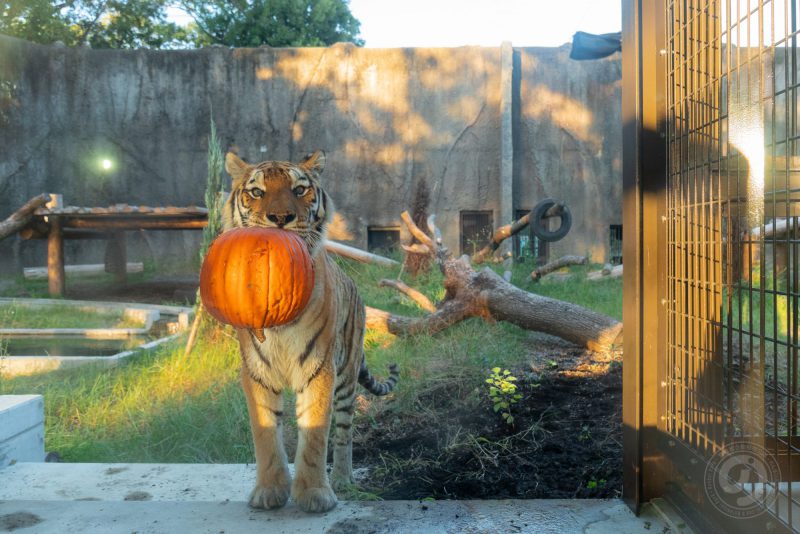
366	379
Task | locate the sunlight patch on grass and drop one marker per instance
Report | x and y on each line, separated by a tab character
63	316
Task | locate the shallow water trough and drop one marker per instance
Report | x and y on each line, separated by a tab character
31	350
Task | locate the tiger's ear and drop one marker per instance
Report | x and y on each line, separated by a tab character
314	162
236	167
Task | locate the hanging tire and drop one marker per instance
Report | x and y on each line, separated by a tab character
539	222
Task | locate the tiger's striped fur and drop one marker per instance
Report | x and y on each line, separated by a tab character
319	355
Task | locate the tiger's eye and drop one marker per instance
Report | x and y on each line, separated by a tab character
256	193
299	190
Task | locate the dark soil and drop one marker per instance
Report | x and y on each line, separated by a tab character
565	441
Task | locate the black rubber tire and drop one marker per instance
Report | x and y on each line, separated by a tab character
536	221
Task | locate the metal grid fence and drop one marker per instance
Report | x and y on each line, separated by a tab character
730	371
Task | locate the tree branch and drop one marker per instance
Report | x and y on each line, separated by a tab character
501	234
20	218
423	301
423	238
555	265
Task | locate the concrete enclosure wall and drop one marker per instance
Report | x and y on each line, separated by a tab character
486	128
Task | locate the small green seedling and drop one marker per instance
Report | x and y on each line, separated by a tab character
503	392
595	484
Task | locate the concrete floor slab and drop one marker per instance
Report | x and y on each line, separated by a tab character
176	498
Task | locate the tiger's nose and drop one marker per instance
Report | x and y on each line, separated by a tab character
281	219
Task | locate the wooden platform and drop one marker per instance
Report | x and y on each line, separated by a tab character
56	223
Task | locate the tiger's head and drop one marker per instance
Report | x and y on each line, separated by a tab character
279	194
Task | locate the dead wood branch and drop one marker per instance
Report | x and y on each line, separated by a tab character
421	236
410	292
20	218
563	261
500	235
504	232
417	248
359	255
198	317
606	272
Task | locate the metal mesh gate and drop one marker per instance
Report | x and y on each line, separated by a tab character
727	439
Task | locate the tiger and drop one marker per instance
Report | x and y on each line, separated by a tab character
319	355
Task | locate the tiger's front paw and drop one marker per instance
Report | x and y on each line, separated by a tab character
270	497
315	500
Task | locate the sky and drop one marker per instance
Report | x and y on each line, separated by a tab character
446	23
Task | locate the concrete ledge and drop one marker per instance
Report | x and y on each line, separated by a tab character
21	429
184	314
111	498
147	317
25	365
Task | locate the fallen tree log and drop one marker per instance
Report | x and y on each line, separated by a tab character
485	294
20	218
88	269
606	272
563	261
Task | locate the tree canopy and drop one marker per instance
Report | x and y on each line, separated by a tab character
97	23
144	23
273	22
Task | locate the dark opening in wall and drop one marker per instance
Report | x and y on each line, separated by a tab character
528	247
615	244
383	238
476	230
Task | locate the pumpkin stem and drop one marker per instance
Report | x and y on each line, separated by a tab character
259	333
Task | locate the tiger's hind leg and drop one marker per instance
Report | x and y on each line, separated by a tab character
343	402
272	471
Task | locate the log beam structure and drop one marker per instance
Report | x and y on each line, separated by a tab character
57	223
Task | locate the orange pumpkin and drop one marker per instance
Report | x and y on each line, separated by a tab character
256	277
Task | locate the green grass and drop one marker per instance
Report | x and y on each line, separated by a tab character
158	407
604	296
162	407
62	316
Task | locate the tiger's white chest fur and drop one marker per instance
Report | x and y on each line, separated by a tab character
290	354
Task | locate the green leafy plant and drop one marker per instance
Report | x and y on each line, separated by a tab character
503	392
214	190
595	484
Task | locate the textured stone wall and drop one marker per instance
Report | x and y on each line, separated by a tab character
568	143
387	118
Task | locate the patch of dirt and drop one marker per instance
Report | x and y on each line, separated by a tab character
566	440
138	496
17	520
